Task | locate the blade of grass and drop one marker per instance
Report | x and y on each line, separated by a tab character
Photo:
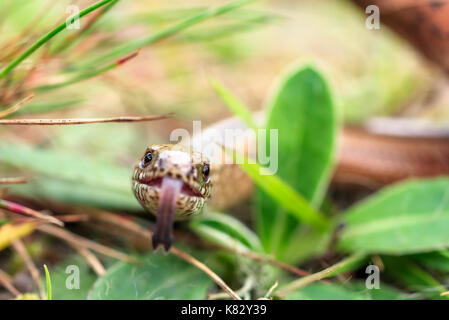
48	36
87	75
48	280
16	107
284	194
234	104
70	40
345	265
170	31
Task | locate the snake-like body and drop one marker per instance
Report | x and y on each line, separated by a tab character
196	172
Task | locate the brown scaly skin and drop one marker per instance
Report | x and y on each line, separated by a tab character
177	162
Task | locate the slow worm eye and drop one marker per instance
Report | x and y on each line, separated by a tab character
206	172
146	159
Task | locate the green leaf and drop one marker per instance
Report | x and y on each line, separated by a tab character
415	278
226	231
322	291
409	217
348	291
70	177
48	281
302	111
157	276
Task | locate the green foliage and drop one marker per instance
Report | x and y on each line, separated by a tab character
306	149
226	231
71	177
61	277
348	291
48	282
156	276
409	217
408	273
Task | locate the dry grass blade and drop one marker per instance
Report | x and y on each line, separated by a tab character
13	181
91	259
23	253
17	208
183	255
80	241
6	281
16	107
58	122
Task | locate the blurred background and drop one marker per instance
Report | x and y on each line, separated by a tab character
81	73
372	72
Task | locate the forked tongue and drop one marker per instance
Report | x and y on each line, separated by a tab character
163	235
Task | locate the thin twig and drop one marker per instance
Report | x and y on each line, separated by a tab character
244	290
78	240
55	122
16	107
90	258
23	253
270	291
18	208
185	256
13	180
6	281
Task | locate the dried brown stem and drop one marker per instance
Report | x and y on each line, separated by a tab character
6	281
23	253
55	122
80	241
16	107
91	259
185	256
13	180
18	208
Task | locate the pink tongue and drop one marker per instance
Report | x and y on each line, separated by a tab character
163	235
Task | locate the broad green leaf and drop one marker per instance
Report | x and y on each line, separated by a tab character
70	177
409	217
157	276
226	231
405	271
345	291
302	111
